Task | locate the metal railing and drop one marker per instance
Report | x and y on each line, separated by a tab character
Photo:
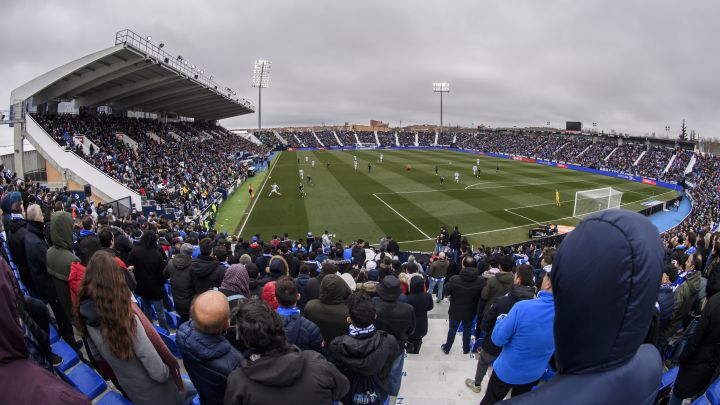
127	37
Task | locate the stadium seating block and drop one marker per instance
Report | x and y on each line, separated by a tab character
70	357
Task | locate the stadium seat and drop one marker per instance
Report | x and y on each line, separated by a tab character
713	392
668	379
69	356
54	335
196	400
113	398
701	400
86	380
169	340
161	330
173	319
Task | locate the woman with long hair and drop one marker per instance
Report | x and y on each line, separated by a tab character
106	316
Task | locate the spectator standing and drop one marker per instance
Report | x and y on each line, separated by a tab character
421	302
438	271
86	233
178	270
523	289
60	256
275	371
207	356
147	373
397	319
149	261
299	331
685	296
330	311
464	290
365	355
207	272
500	284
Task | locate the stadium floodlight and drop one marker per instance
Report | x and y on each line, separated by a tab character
261	79
149	38
441	88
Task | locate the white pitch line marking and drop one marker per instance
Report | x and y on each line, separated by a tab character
259	194
401	216
508	210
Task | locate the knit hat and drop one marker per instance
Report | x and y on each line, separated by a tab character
373	275
278	267
236	280
389	289
371	265
349	280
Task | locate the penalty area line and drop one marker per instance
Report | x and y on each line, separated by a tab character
401	216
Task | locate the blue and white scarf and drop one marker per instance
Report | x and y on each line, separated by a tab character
355	331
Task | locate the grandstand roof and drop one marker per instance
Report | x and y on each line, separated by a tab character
135	74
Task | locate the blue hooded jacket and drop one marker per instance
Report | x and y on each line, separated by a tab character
605	281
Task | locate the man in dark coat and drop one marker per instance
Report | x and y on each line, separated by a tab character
499	285
522	289
364	352
149	262
312	289
178	270
207	272
84	235
604	279
275	372
16	243
699	360
330	311
421	302
397	319
36	249
208	357
299	330
464	290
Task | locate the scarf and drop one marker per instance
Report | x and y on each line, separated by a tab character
16	216
355	331
236	280
162	350
282	311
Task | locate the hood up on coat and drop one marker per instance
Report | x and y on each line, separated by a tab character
61	230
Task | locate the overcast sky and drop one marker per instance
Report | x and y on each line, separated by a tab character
632	66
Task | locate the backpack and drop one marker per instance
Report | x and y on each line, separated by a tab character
365	390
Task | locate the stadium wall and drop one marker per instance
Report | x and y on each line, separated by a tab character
637	179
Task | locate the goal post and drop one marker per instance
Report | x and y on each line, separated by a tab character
589	201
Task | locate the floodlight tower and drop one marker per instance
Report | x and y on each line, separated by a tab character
441	88
261	79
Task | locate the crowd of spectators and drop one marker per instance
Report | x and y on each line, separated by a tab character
347	138
595	156
654	162
327	138
366	137
624	157
406	138
267	138
677	169
426	137
386	138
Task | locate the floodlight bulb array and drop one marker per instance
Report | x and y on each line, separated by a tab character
441	87
261	73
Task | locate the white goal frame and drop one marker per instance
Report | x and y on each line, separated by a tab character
606	198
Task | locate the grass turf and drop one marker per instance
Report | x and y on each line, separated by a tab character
497	207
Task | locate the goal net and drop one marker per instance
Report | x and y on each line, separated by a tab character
589	201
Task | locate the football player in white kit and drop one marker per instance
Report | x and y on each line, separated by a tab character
306	159
312	163
301	173
274	190
457	177
475	173
381	157
355	164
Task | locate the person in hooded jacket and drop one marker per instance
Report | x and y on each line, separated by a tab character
312	289
149	261
299	330
24	382
330	311
60	256
207	272
16	243
253	274
464	290
421	302
700	359
301	282
275	372
499	285
207	355
685	296
523	289
364	352
604	302
235	285
36	249
178	270
398	319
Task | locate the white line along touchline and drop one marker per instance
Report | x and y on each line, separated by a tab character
401	216
259	194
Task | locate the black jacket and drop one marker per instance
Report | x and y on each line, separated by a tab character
421	302
149	265
366	355
181	282
16	244
207	273
604	278
123	246
301	283
395	318
303	377
666	302
208	359
502	306
302	333
330	311
701	357
37	261
464	290
80	249
393	246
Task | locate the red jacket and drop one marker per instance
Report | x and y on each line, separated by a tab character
268	295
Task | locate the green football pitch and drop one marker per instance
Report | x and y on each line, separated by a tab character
495	208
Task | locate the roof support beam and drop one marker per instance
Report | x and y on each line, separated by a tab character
105	96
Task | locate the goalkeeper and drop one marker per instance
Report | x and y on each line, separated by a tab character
557	198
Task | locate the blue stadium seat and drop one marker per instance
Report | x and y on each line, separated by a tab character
713	392
113	398
196	400
701	401
86	380
70	357
173	319
54	335
161	330
668	379
170	343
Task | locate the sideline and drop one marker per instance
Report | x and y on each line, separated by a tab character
401	216
259	195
